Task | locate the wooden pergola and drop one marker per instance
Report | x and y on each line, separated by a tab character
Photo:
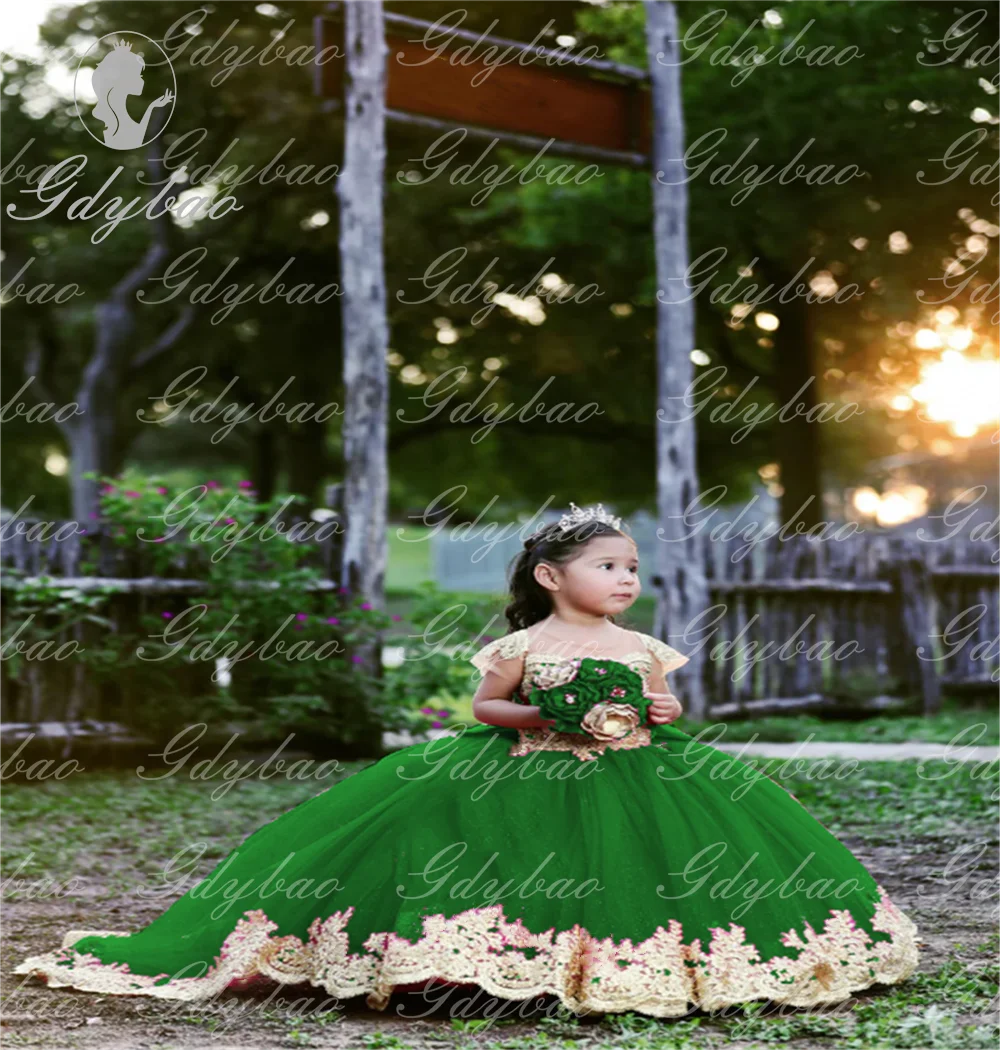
591	109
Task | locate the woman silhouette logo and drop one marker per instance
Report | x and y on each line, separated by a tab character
118	75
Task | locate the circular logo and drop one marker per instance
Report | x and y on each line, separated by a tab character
113	69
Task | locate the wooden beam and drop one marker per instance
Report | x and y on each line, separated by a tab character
365	326
600	106
681	558
538	54
149	584
527	143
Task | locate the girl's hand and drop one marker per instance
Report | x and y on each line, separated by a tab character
664	708
539	722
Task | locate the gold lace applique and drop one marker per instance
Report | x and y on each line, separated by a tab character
582	745
668	657
506	648
659	976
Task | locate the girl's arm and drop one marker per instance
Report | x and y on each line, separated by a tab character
492	703
665	707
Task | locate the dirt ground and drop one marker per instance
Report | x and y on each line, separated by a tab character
953	921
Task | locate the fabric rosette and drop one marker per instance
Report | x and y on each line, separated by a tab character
610	721
604	699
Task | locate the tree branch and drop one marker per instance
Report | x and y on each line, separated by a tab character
43	351
166	339
159	247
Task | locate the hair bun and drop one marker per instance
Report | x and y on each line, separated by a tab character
533	540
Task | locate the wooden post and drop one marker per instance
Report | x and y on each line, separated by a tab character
365	324
684	593
915	599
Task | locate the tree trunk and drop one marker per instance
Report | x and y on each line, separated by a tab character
364	321
264	470
683	595
305	456
797	447
92	436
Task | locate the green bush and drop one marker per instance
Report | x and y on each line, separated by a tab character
295	650
298	647
435	676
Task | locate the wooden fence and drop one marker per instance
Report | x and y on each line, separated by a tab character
871	613
54	691
793	623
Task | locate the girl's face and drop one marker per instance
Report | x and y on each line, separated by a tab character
602	579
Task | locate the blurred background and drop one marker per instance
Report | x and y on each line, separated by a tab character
908	364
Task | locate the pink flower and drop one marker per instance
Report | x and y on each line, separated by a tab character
301	616
444	714
427	710
246	484
436	725
358	659
298	627
230	521
105	489
211	484
342	590
366	605
160	490
161	539
93	515
332	619
132	494
396	616
488	638
167	615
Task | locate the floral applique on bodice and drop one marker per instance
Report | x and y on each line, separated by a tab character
546	670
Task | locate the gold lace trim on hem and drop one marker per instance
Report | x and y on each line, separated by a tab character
659	976
582	745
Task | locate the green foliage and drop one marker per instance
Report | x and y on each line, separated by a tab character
265	607
48	620
435	672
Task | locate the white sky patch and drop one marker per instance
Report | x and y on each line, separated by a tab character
19	27
19	36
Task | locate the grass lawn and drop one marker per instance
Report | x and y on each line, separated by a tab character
409	561
112	833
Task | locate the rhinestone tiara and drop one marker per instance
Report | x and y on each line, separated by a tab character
577	516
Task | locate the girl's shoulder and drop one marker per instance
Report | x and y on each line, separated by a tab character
509	647
669	658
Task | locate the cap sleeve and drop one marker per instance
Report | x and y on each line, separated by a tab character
668	657
508	647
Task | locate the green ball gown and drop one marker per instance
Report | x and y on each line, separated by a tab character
648	872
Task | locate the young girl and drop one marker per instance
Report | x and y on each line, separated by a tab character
614	863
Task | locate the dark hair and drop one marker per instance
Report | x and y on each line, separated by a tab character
529	600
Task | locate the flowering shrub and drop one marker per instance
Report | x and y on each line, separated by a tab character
260	622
